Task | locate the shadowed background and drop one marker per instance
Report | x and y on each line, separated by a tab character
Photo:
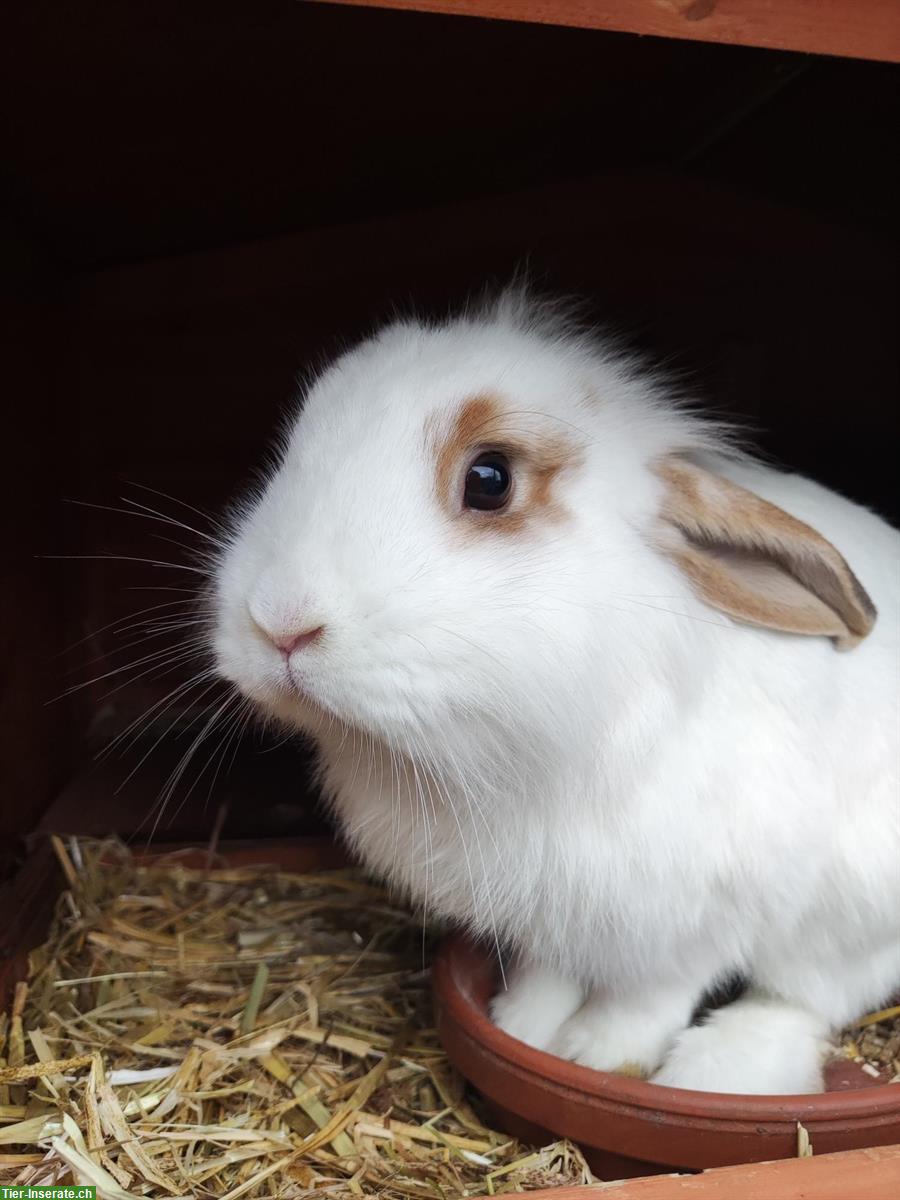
201	200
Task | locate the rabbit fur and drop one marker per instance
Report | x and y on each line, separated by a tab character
548	725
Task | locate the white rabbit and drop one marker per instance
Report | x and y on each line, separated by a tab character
579	682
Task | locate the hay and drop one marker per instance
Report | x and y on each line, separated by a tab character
874	1043
240	1033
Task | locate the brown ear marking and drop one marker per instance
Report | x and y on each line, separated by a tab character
483	422
750	559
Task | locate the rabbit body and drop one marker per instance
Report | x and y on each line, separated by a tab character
541	730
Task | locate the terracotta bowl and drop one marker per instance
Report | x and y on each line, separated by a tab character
627	1127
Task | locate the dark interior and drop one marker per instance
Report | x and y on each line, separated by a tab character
201	200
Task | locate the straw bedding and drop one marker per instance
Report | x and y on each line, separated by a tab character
240	1033
253	1033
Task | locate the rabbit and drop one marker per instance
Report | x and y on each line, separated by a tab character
591	681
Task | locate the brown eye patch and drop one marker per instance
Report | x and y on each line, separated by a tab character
484	430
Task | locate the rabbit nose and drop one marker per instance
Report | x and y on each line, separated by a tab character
288	643
288	623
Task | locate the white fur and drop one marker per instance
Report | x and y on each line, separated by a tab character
611	1031
750	1046
537	1003
547	738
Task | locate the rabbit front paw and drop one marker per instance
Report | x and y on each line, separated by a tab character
534	1005
621	1036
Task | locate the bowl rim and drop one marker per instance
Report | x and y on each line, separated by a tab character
458	956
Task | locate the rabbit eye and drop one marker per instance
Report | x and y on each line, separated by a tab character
488	482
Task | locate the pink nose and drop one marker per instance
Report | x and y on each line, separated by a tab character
290	642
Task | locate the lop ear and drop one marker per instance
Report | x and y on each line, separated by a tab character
750	559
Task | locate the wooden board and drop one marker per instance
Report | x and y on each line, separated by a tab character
853	1175
847	28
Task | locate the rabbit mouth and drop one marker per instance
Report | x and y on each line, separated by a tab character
296	684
